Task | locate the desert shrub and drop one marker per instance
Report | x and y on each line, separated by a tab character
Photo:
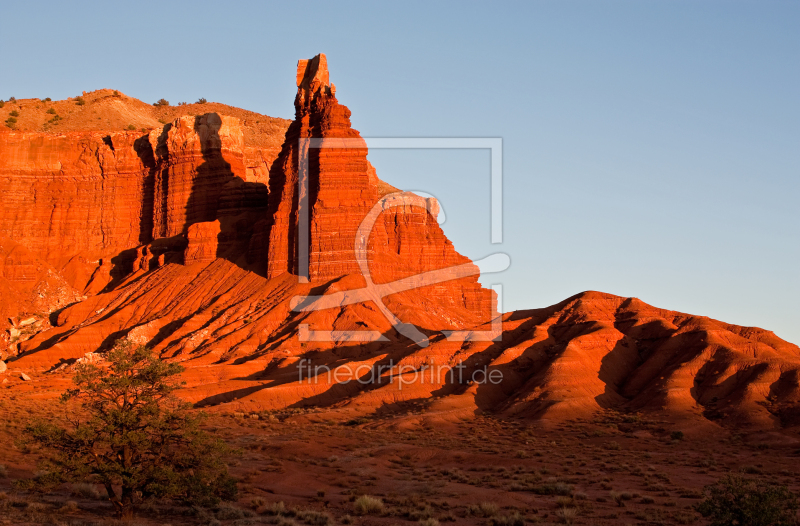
116	93
230	512
69	507
11	121
3	471
617	497
366	505
80	101
515	519
676	435
82	489
12	100
201	100
51	111
562	501
131	127
161	102
690	494
685	516
483	509
274	508
314	518
2	104
14	113
567	515
553	488
48	99
736	500
133	437
419	514
36	507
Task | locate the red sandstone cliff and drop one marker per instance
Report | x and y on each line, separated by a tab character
173	238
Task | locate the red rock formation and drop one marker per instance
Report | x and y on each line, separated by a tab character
80	199
195	157
73	194
343	188
206	273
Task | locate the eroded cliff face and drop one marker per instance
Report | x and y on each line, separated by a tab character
92	207
77	194
185	239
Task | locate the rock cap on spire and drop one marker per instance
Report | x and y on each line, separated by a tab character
312	75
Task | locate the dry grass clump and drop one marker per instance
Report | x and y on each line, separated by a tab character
367	505
621	497
231	512
483	509
514	519
273	508
563	501
314	518
567	515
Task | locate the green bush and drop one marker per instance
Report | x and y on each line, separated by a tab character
116	93
51	111
161	102
736	500
14	113
131	127
10	122
135	438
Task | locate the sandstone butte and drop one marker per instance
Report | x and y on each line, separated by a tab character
182	234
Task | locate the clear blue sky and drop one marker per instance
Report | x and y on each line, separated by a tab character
651	148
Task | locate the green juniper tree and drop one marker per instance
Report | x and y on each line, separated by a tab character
133	436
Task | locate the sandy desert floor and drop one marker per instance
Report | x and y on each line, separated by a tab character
313	466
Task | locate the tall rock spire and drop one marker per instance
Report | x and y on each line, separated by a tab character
343	188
